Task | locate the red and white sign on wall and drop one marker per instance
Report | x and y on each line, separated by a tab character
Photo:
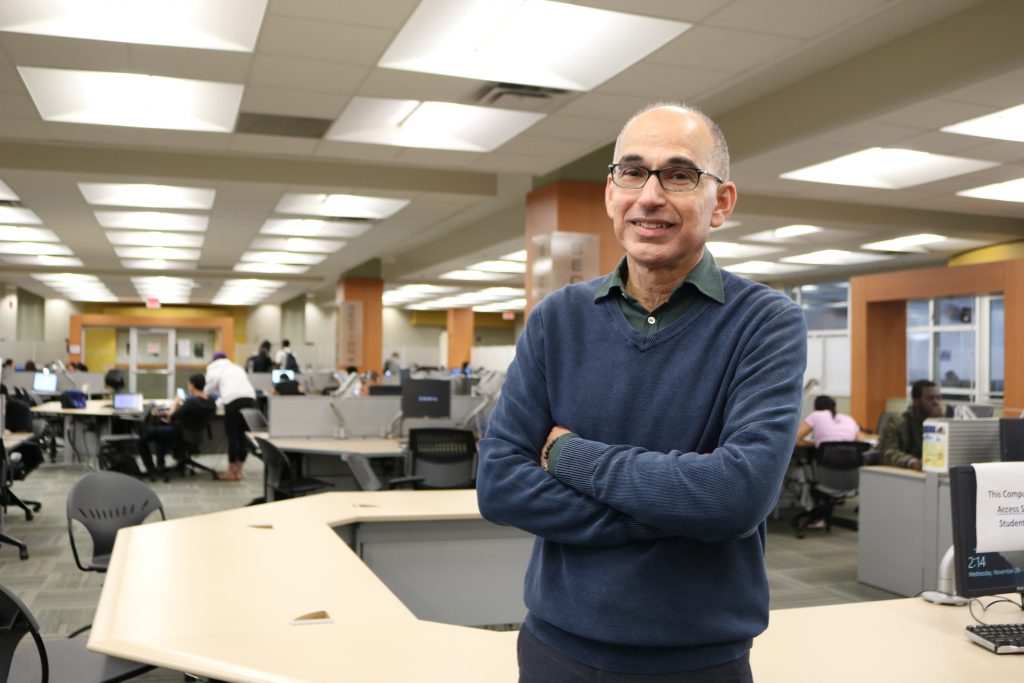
152	302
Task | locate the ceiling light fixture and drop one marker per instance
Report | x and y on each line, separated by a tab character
132	100
791	231
35	249
1007	124
14	233
313	227
17	215
147	196
512	41
474	275
144	238
340	205
152	220
887	168
833	257
1007	191
764	268
499	266
297	244
908	243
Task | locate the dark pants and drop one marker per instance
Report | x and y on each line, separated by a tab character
538	663
234	426
164	438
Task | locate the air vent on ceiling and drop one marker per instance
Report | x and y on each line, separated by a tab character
289	126
524	97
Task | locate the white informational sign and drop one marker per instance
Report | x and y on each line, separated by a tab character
1000	506
184	348
934	446
350	334
562	258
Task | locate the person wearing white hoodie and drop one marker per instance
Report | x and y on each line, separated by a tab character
235	392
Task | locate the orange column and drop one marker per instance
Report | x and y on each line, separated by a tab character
569	206
460	336
360	323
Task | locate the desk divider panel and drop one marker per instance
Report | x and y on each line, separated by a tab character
300	416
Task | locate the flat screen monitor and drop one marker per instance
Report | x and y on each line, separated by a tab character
978	574
426	398
128	403
385	390
1011	439
44	383
277	375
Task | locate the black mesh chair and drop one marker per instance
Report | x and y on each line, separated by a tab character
5	538
190	444
104	502
834	475
54	661
442	458
30	455
282	479
367	479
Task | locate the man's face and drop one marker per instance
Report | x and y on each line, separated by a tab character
930	403
660	229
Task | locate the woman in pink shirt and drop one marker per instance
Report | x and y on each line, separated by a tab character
825	424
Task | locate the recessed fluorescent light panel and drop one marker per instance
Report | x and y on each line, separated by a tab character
163	253
169	290
833	257
152	220
734	250
313	227
279	268
223	25
34	249
910	243
1009	191
764	268
282	257
18	216
147	196
62	261
143	238
13	233
429	125
77	286
6	193
245	292
1007	124
499	266
474	275
791	231
549	44
887	168
132	100
515	256
157	264
340	205
301	244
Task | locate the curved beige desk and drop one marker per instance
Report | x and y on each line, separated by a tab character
219	595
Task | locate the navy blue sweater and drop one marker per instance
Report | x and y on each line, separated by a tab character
651	533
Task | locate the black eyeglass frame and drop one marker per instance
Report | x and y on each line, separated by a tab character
658	171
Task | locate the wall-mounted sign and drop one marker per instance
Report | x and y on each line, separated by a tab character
562	258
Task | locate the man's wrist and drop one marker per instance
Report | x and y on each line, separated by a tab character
554	449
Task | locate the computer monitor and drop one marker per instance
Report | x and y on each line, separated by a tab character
277	375
385	390
1011	439
426	398
44	383
985	573
128	403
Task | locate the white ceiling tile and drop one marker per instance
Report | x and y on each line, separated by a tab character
312	39
391	14
18	106
10	81
514	163
609	107
724	49
177	139
933	114
561	150
437	157
420	86
564	127
660	82
85	132
992	150
938	142
288	102
303	74
1006	90
15	128
797	18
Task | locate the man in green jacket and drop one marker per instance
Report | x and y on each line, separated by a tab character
900	441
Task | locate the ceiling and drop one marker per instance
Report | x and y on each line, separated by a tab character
792	83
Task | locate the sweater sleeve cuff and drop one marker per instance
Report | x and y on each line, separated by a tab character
577	461
556	449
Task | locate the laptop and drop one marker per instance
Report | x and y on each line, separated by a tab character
127	403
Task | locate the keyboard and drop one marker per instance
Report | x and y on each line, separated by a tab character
1003	639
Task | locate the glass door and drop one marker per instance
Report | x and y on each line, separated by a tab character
151	362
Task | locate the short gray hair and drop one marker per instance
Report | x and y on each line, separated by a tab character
719	160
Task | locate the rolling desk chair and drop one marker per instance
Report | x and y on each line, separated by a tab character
4	538
190	445
443	458
256	422
834	474
55	661
282	480
19	419
368	480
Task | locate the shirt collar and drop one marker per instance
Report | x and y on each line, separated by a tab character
706	277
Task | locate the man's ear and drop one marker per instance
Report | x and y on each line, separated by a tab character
726	202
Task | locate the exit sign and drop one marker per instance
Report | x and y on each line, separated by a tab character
152	302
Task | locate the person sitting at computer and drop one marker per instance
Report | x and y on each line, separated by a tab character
192	413
286	386
825	424
900	441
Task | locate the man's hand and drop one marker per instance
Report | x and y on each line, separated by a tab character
555	432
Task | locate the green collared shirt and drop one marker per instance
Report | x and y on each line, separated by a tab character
704	279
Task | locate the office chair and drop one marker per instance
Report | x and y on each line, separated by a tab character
282	481
367	479
191	443
442	458
4	538
255	422
54	661
834	476
19	419
104	502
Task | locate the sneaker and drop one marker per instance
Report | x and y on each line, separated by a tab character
817	524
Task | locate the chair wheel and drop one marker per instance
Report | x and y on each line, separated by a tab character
28	517
23	553
37	506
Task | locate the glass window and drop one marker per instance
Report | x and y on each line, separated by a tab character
954	359
995	347
958	310
917	313
825	305
918	360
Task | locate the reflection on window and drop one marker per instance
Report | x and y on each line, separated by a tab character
824	305
918	361
954	360
917	313
958	310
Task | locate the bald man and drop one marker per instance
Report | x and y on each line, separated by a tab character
644	430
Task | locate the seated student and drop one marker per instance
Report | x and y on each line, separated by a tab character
900	442
287	387
18	418
825	424
193	413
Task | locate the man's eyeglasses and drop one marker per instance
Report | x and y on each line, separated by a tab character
672	178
